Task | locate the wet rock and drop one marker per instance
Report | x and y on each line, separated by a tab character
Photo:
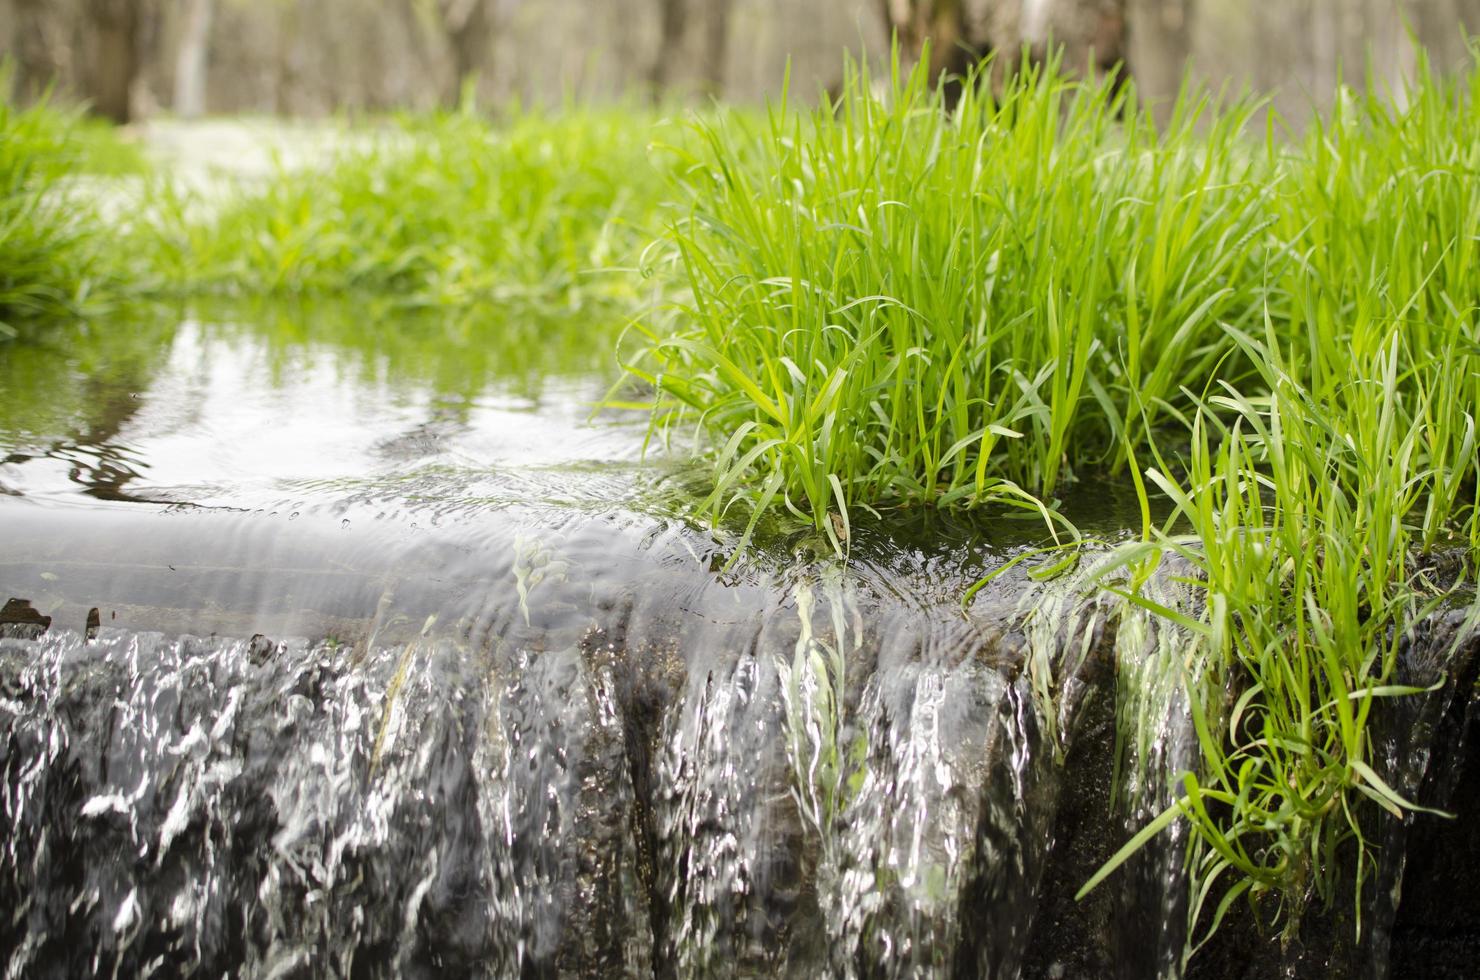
260	649
1436	931
19	620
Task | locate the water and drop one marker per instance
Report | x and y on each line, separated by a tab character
370	654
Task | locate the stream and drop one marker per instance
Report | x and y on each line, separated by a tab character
342	642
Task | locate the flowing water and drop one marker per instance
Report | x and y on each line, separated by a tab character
345	643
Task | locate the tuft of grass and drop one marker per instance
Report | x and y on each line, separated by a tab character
53	250
895	304
890	304
1311	490
440	211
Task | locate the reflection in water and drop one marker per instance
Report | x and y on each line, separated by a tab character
246	410
69	399
19	619
100	468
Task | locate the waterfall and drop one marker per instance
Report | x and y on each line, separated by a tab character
578	749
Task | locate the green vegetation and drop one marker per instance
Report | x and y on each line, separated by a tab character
98	149
540	214
442	211
53	255
1312	489
893	305
882	304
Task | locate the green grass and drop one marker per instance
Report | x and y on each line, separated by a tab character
543	212
881	304
54	257
99	149
890	305
1312	490
893	306
441	211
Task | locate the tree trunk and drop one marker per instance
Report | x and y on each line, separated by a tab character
941	23
1159	40
672	19
468	27
961	32
193	59
36	63
115	62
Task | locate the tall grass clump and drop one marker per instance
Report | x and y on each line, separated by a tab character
444	211
53	251
895	304
1312	490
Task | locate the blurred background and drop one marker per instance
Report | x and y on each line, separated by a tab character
137	58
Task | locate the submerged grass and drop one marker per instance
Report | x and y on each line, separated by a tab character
893	305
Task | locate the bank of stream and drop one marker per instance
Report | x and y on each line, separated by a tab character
341	643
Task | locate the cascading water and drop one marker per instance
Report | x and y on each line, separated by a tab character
666	773
396	703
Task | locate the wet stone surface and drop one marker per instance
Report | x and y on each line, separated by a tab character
19	620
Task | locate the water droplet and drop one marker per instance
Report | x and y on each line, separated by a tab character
293	516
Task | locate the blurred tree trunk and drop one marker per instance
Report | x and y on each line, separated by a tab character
672	19
1092	33
1108	26
193	58
37	64
468	27
941	23
1159	40
116	27
693	47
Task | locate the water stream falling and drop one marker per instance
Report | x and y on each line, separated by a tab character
344	663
